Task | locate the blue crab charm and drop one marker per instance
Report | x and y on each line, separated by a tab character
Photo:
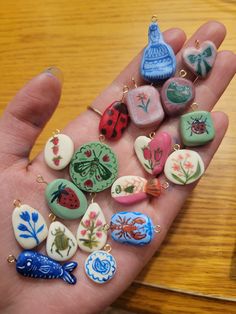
132	228
158	61
36	265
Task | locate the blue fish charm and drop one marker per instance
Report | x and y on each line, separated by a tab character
158	61
132	228
36	265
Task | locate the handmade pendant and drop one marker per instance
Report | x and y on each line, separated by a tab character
177	94
29	226
153	152
91	235
58	151
145	107
94	167
184	166
100	266
65	199
158	61
114	121
132	189
132	228
196	128
200	60
61	245
36	265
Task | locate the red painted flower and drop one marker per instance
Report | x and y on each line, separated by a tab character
87	223
99	234
180	157
106	158
188	165
176	167
92	215
147	154
88	153
98	223
88	183
142	96
83	232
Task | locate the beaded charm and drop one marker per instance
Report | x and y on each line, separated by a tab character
184	166
29	226
153	152
196	128
200	60
94	167
58	151
158	61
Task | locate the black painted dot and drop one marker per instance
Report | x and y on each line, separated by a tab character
123	120
104	131
114	134
122	130
110	112
109	122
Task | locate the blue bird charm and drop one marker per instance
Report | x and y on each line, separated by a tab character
158	61
36	265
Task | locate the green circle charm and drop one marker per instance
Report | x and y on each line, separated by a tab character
93	167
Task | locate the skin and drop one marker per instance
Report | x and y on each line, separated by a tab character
20	125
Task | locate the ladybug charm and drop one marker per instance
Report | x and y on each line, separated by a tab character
114	121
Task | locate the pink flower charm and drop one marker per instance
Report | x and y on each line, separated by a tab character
147	154
83	232
87	223
92	215
188	165
99	234
98	223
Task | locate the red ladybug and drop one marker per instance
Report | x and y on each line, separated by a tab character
114	121
198	126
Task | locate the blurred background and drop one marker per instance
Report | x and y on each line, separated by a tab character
91	42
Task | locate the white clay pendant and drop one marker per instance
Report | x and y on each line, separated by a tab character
29	226
100	266
58	151
90	234
61	244
184	166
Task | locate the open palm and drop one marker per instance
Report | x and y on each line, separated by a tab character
20	125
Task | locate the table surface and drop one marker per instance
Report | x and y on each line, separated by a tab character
91	41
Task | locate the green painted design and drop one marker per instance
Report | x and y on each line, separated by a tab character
145	101
61	242
94	167
65	199
196	128
202	67
178	94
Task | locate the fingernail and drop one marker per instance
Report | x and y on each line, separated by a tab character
54	71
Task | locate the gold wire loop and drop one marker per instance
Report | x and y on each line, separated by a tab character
11	259
157	228
154	19
107	248
165	185
151	135
197	43
176	147
106	227
94	110
133	80
40	179
57	131
52	217
194	106
101	138
182	73
93	195
17	203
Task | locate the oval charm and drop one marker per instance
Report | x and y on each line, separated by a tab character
152	153
94	167
145	107
200	60
58	151
90	234
114	121
36	265
132	228
158	61
65	199
29	226
177	94
196	128
184	166
61	244
100	266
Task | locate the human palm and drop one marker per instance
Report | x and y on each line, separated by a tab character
20	125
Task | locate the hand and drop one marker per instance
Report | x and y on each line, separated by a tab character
21	123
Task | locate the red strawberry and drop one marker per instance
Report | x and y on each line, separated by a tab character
56	160
66	197
55	140
55	150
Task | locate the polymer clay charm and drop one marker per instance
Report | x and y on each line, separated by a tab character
100	266
61	244
58	151
158	61
131	189
145	107
200	60
132	228
90	234
29	226
153	152
184	166
94	167
177	94
36	265
196	128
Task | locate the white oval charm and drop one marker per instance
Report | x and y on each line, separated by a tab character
90	234
184	166
100	266
29	226
58	151
61	244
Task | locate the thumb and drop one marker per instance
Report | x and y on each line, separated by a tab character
27	114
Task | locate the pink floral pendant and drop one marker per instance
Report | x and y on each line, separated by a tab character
152	153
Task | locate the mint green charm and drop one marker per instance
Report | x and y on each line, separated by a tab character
65	199
196	128
93	167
